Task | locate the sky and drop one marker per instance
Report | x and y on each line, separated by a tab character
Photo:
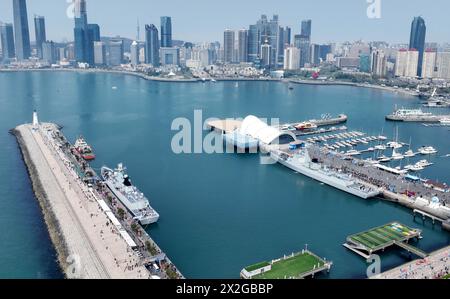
205	20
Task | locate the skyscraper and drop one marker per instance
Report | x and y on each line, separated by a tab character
115	52
151	45
100	53
134	53
303	43
49	52
266	54
21	30
39	26
7	40
429	63
406	63
228	46
379	63
243	45
166	32
306	28
417	40
253	43
291	58
85	34
94	32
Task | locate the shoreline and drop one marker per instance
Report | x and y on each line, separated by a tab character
197	80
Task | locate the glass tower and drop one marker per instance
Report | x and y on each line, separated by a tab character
7	40
166	32
151	45
39	27
417	40
21	30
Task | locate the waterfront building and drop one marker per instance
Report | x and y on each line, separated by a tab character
266	54
39	29
134	53
291	58
228	46
443	65
406	63
170	56
348	62
303	43
324	50
61	54
151	45
49	52
115	52
254	38
364	63
429	64
94	32
99	53
21	30
7	41
378	63
417	40
166	32
243	45
315	54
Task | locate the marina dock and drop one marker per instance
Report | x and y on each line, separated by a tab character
91	240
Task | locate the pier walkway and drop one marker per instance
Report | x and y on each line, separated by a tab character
412	249
90	246
436	265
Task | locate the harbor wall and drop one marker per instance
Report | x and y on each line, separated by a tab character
53	226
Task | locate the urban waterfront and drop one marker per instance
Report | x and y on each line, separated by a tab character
219	213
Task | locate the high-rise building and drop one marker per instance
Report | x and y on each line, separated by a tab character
306	28
303	43
7	40
39	29
228	46
99	53
429	64
417	40
406	64
243	45
324	50
379	63
266	54
443	65
49	52
170	56
84	34
166	32
287	36
291	58
21	30
254	38
94	32
115	52
134	53
315	54
364	63
151	45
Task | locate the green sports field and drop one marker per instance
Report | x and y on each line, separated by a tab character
382	235
292	267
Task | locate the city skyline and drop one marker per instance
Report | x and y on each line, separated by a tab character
210	26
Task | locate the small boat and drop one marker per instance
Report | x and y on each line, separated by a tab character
410	154
306	126
382	138
381	147
424	163
84	149
427	150
352	153
397	156
414	168
384	159
445	121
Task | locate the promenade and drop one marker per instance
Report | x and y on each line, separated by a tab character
88	245
436	266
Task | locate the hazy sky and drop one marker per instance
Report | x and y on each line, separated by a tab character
205	20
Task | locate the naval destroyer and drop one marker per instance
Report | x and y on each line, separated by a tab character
302	163
135	201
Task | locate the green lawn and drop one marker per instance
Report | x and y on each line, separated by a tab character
291	267
257	266
446	277
382	235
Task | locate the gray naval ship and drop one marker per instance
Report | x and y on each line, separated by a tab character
135	201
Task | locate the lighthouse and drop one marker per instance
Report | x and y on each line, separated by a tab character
35	120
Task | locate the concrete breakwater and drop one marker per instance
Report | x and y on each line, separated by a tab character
86	244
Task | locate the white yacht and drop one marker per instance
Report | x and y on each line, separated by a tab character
427	150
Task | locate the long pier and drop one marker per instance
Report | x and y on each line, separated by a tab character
89	239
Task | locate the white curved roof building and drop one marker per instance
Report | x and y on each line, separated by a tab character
259	130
